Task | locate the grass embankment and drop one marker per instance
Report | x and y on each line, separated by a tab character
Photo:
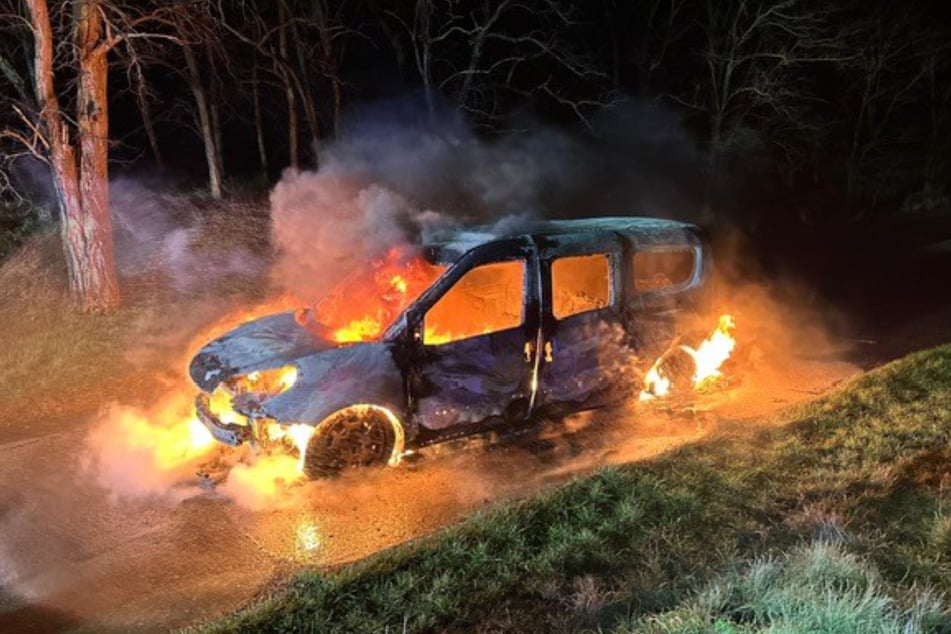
667	545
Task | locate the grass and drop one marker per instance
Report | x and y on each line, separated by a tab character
633	548
18	221
819	588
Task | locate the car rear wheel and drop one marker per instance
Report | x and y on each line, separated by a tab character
356	437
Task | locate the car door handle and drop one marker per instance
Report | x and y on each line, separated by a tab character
549	351
529	348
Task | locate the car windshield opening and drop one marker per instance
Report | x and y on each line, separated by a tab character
367	302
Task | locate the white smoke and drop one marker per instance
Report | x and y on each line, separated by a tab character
162	231
326	224
136	453
390	181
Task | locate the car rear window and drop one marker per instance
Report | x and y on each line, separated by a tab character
580	284
662	269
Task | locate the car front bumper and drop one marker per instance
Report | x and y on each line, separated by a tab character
227	433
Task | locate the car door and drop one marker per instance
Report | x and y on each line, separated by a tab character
474	340
582	350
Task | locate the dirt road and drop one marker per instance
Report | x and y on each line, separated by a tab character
72	559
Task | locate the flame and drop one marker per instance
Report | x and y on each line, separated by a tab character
136	452
655	384
199	438
713	351
220	405
263	482
268	381
365	305
707	358
298	435
174	445
172	440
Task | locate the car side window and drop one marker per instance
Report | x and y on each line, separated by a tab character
664	269
580	284
488	298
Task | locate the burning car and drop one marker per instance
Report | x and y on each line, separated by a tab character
472	331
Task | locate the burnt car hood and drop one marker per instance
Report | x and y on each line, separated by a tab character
262	344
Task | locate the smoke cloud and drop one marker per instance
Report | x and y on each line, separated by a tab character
326	225
135	453
157	453
165	232
392	181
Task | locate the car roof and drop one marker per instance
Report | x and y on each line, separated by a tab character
450	244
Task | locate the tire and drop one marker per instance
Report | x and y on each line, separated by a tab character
352	438
679	367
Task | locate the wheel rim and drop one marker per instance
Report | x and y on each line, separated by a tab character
351	439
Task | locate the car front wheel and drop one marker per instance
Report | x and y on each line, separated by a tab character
356	437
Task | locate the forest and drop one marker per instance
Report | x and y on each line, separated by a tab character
794	113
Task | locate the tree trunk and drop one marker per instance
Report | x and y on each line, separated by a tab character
216	134
145	111
282	67
258	119
338	98
306	94
205	120
214	98
423	48
82	190
292	122
310	115
97	281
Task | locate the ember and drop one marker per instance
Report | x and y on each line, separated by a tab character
671	371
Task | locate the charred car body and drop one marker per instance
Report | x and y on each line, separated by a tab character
498	328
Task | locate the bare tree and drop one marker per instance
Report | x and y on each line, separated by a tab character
197	57
258	116
937	95
206	118
14	103
332	36
143	99
76	146
479	56
751	82
887	76
273	37
422	39
643	35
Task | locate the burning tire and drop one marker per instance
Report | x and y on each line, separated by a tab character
679	367
355	437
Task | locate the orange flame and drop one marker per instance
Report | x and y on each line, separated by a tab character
713	351
361	309
707	358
